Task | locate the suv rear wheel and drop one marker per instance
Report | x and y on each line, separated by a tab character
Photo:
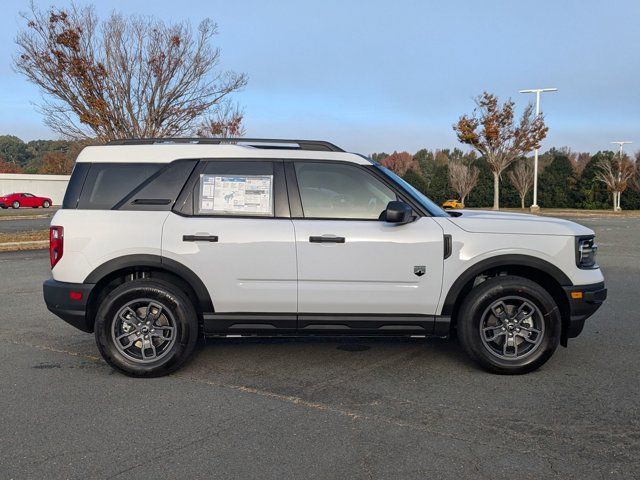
509	325
146	328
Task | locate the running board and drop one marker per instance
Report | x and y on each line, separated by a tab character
270	324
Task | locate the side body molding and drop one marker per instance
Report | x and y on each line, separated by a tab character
155	261
496	262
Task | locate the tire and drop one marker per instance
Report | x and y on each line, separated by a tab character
46	204
498	321
167	349
15	204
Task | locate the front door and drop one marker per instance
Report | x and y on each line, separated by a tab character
356	272
28	200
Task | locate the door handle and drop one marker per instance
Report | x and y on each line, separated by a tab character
326	239
199	238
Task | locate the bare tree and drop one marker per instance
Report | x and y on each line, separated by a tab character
616	173
225	122
495	134
521	177
124	76
462	178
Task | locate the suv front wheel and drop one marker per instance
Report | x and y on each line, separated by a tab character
509	325
146	328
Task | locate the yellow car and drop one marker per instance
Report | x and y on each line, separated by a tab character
453	204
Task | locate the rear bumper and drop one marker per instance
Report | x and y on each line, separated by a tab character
57	296
582	308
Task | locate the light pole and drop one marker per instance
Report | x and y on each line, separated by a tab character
616	195
537	91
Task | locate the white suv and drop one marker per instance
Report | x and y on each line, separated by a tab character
160	242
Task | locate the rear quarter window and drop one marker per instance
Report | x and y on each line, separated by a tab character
108	183
74	188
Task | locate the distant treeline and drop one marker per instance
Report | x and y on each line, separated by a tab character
54	157
566	180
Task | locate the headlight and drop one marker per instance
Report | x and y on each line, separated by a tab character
586	250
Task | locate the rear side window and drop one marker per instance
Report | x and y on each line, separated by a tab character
109	183
229	188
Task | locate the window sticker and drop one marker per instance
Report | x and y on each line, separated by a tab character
236	194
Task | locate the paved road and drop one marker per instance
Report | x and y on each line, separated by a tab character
41	219
25	225
325	408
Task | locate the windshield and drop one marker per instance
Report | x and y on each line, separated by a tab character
428	204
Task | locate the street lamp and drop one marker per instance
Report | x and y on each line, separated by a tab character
537	91
621	144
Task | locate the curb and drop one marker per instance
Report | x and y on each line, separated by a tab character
7	218
15	246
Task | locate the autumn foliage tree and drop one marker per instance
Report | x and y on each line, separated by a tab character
124	77
9	167
56	163
462	178
400	163
521	177
495	133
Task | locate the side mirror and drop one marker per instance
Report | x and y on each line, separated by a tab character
398	212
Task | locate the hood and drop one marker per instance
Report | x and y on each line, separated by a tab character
487	221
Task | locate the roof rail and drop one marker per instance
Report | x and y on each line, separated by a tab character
270	143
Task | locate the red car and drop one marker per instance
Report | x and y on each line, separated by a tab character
17	200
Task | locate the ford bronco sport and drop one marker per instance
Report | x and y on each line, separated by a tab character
160	242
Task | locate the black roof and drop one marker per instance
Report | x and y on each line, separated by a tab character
269	143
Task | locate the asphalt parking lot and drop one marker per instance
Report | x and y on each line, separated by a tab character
322	408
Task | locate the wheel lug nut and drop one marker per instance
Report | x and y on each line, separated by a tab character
503	328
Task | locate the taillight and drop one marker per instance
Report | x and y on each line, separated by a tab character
56	244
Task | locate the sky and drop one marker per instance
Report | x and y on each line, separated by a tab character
376	76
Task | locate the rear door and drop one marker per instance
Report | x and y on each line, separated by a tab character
233	229
356	272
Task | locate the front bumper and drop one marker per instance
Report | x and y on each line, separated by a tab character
58	297
584	300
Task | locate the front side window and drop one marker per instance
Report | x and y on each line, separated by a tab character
422	199
333	190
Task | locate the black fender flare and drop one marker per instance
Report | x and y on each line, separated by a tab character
507	260
157	262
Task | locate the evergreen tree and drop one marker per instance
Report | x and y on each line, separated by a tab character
556	185
590	192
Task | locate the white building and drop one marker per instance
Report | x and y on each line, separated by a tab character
52	186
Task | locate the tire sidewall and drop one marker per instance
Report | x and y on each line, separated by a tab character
174	300
482	297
